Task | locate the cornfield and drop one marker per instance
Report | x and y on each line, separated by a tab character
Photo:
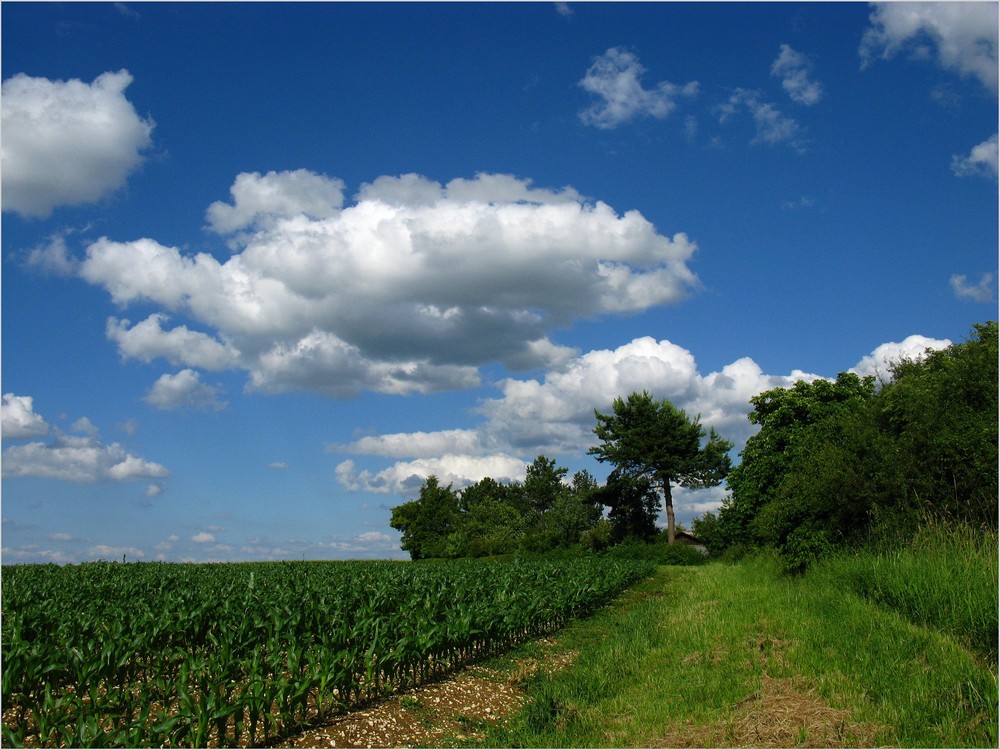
221	655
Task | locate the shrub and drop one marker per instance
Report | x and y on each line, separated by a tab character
597	538
661	554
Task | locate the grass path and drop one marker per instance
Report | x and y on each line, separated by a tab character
739	656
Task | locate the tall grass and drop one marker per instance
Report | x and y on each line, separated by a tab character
740	655
946	578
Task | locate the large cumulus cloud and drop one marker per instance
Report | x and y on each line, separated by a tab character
554	415
879	363
409	289
406	477
67	142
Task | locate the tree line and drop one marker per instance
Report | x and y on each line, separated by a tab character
833	464
651	445
867	460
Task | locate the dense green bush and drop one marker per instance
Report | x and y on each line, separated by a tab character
659	553
847	463
599	537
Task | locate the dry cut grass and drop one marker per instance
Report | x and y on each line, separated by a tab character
784	712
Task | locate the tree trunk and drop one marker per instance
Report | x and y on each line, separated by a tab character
668	503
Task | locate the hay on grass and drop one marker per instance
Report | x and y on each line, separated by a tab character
785	712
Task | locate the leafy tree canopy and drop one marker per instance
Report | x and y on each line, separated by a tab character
657	440
426	522
488	518
785	416
845	462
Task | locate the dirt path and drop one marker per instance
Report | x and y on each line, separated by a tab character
782	713
457	709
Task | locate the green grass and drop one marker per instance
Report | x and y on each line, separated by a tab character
722	655
946	579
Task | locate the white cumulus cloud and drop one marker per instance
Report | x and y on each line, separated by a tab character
147	340
184	389
73	458
614	79
19	419
410	289
961	36
260	199
557	413
53	256
885	355
405	477
84	460
67	142
414	444
772	126
555	416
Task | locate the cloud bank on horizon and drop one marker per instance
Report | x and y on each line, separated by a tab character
552	416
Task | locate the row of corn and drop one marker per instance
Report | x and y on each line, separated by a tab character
216	655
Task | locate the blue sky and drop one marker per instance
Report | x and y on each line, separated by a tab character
267	266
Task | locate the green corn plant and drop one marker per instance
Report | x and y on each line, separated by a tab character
230	653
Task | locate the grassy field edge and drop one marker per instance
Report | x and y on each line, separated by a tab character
740	655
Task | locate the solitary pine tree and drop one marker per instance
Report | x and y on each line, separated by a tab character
655	439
